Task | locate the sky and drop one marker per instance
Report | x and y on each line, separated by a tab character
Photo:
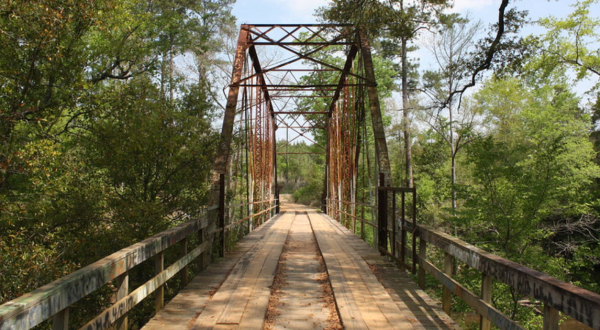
301	11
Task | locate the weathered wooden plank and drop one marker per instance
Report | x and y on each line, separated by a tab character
261	269
446	294
348	309
228	305
214	308
122	285
551	318
581	304
421	311
61	320
116	311
372	305
159	295
486	295
182	310
33	308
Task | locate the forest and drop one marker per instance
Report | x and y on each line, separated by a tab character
110	114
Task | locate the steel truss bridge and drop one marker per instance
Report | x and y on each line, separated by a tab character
321	88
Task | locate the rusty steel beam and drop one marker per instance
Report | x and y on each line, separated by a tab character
342	83
303	127
321	43
301	112
259	71
298	96
224	146
337	86
381	149
300	25
300	153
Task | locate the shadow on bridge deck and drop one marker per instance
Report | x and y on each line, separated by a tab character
370	292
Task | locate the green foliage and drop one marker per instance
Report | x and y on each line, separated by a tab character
102	143
570	42
301	175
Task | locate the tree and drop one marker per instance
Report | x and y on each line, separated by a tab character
535	160
449	48
571	41
531	163
395	22
93	156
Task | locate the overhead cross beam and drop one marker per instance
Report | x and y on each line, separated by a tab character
323	90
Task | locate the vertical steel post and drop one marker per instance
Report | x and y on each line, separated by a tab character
224	146
381	149
274	123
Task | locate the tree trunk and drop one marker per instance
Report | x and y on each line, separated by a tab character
406	119
453	148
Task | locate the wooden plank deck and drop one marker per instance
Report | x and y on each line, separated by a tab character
234	292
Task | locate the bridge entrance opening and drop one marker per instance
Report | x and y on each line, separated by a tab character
320	89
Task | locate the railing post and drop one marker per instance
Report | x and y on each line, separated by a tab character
60	321
204	257
414	231
422	257
354	219
183	248
551	318
222	214
394	226
382	215
362	222
159	294
122	285
447	295
486	295
403	230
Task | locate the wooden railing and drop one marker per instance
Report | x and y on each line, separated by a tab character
556	296
339	214
53	300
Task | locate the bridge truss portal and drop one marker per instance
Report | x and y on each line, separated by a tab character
315	81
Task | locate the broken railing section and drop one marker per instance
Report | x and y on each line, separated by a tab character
557	296
53	300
